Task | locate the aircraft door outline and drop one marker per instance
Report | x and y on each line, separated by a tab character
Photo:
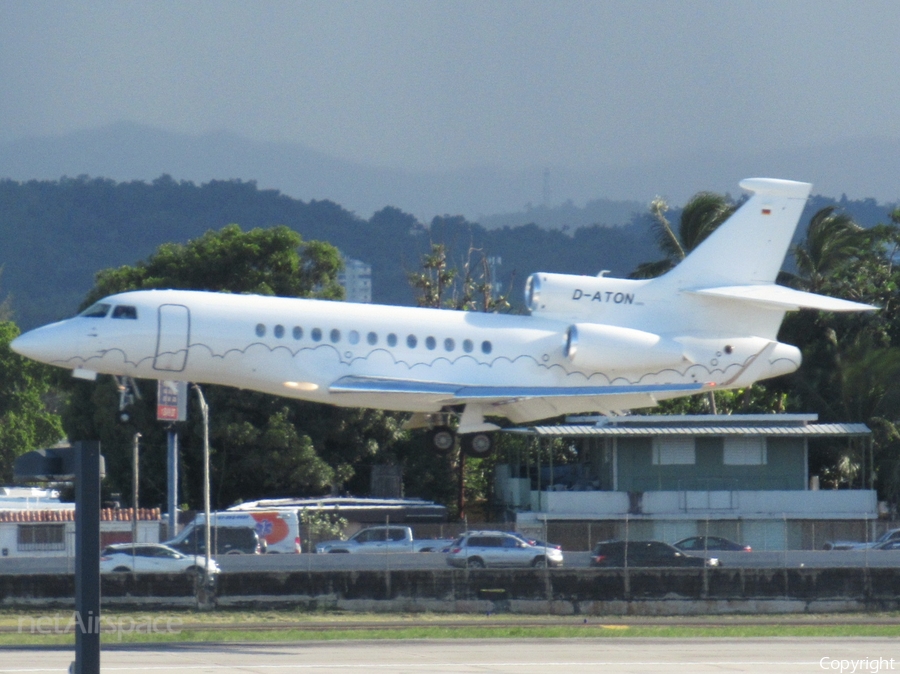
172	338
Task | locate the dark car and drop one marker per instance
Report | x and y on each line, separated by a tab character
644	553
704	543
224	541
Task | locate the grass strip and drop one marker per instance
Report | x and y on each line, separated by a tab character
20	629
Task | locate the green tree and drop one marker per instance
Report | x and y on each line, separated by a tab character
851	362
439	284
272	261
261	445
26	423
470	287
832	239
699	218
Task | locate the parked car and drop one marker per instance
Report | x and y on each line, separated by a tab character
383	538
644	553
224	540
889	545
889	535
480	549
151	558
704	543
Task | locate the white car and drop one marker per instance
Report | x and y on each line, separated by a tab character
151	558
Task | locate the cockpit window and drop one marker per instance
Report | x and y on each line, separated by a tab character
98	310
124	311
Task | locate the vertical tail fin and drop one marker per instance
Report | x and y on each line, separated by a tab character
748	248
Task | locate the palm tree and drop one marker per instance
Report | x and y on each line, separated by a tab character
832	239
700	217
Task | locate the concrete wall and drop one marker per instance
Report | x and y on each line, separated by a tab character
566	591
826	504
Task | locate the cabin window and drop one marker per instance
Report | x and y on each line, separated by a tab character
392	339
260	330
468	346
125	311
430	343
298	332
335	336
279	331
674	451
372	338
316	334
411	341
449	344
98	310
486	347
745	452
353	337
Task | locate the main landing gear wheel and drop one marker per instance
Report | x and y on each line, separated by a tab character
477	445
441	439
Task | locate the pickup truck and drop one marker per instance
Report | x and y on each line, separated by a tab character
383	539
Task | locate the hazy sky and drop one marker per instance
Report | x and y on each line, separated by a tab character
438	85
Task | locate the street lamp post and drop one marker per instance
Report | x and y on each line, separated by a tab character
204	410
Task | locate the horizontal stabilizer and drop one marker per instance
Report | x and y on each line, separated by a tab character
782	297
459	393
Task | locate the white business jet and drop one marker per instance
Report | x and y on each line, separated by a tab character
591	344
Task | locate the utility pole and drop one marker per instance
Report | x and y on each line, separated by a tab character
135	463
204	411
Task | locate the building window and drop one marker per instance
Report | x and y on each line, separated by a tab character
40	537
745	452
674	452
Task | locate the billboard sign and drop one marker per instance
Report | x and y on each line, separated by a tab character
171	400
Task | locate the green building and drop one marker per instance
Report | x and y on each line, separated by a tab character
744	477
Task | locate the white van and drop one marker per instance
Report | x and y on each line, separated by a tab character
278	528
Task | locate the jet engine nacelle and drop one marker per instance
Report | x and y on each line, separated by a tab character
569	295
607	348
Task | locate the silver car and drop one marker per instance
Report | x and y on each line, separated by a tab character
480	549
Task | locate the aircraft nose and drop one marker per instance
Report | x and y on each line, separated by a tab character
41	344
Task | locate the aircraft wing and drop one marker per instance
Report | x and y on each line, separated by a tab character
462	393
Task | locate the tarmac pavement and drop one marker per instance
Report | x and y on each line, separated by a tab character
489	656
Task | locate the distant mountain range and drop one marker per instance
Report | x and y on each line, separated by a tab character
867	167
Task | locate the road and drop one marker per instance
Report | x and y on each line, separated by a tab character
488	656
433	561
